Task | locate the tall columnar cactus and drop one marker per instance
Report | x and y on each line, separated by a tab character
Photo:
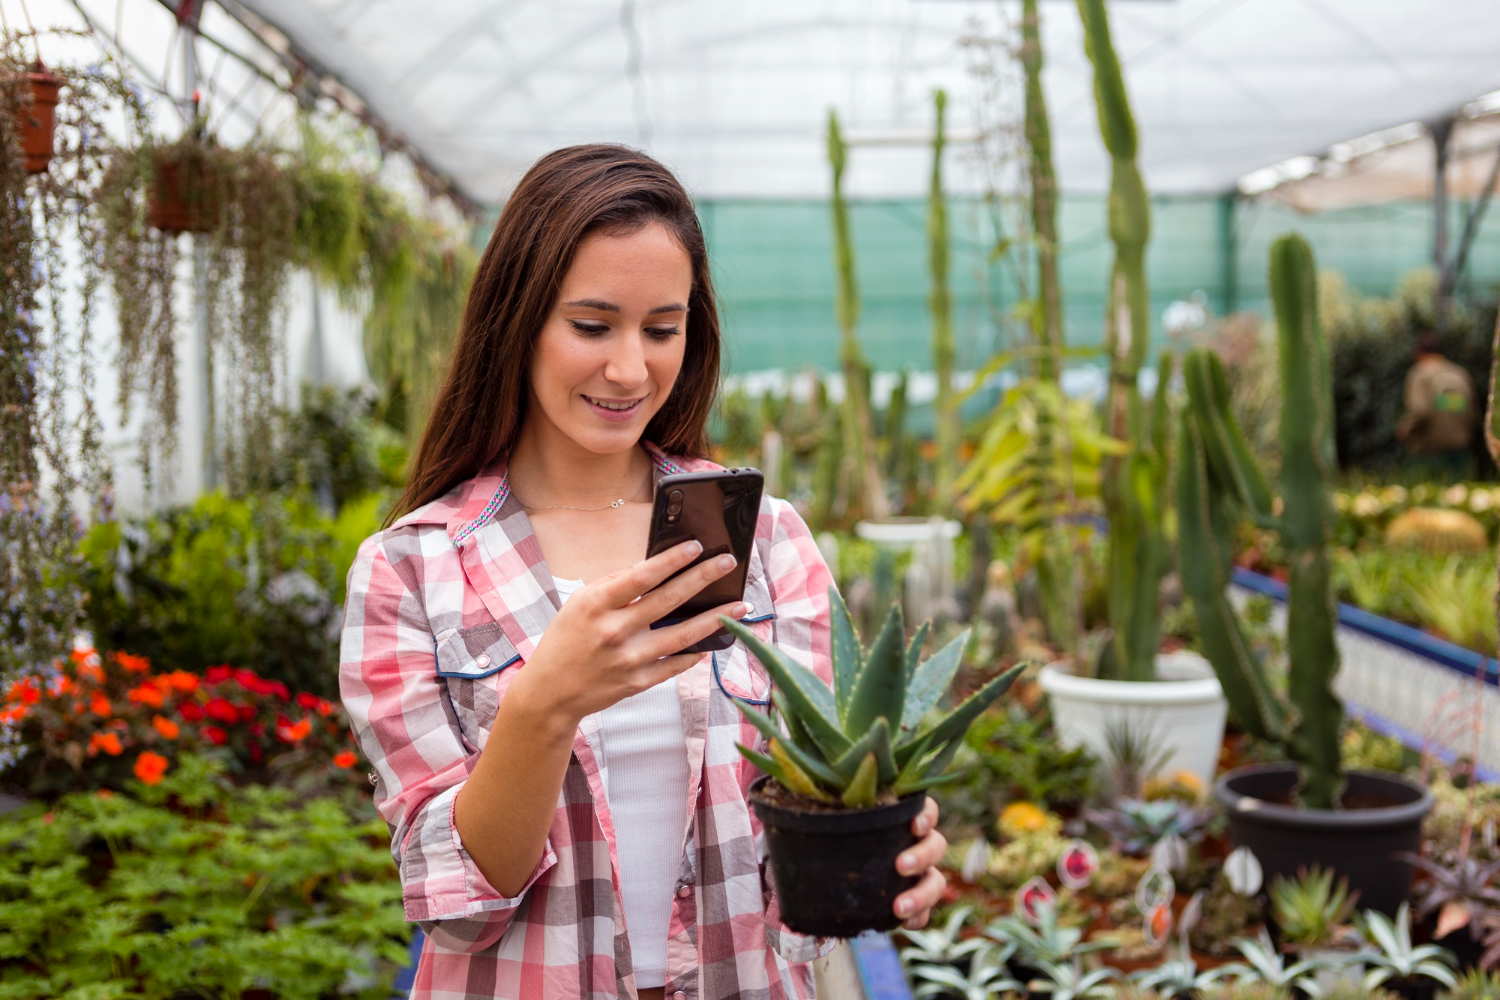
859	429
940	300
1133	493
1218	479
1047	324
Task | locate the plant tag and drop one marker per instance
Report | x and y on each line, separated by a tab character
1156	888
1170	852
1077	864
1191	914
1243	872
1033	897
1158	925
1455	915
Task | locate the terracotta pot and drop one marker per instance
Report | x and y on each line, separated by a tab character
183	197
36	122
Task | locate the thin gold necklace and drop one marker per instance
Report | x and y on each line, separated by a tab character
562	506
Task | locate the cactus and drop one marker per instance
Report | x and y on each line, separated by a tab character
859	432
1218	478
864	742
940	301
1134	484
1047	318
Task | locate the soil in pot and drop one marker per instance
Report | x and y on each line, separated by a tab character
1382	816
835	869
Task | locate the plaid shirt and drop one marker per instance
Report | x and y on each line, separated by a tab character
443	609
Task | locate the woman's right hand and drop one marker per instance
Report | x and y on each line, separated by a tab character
601	647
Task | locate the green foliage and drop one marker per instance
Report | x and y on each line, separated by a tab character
188	889
257	583
1476	984
940	303
1010	757
865	740
1394	957
1218	480
1311	908
334	449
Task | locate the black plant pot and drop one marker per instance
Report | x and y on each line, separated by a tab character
835	870
1465	947
1416	988
1383	816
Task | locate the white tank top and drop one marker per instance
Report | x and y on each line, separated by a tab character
646	782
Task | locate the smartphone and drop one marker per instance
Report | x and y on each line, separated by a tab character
720	510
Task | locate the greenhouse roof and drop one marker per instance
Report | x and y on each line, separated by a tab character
735	95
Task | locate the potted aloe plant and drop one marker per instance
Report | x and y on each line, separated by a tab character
846	770
1310	810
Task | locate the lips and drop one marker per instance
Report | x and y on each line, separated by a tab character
614	410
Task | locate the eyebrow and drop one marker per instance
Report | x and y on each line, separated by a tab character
603	306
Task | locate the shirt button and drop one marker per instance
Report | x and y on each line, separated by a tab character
684	891
483	660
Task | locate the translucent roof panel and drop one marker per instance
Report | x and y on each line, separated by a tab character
735	95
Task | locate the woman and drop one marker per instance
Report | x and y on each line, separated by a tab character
567	807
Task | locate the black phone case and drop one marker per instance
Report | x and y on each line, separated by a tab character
720	510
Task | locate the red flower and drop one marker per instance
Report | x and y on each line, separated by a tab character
250	681
247	712
168	729
215	735
221	710
256	729
307	700
278	689
24	691
85	656
91	671
294	732
108	742
190	711
149	767
100	704
15	714
219	674
180	680
255	753
147	694
132	664
345	758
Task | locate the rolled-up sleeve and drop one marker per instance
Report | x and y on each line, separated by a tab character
406	727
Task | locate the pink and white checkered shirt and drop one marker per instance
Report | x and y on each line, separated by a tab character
444	608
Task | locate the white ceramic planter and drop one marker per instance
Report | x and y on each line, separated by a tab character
1184	711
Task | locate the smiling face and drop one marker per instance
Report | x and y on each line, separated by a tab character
609	353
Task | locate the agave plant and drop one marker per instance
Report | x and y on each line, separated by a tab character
1135	827
1311	908
1394	956
1264	963
1178	977
1046	942
941	945
1462	890
1068	981
863	742
988	978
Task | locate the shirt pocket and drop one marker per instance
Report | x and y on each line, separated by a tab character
469	660
736	673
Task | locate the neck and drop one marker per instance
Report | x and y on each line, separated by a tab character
551	468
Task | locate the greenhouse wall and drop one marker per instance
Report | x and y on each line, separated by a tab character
773	265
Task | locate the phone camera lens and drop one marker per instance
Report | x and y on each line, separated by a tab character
675	496
675	508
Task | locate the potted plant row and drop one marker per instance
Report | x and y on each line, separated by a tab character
1306	811
846	770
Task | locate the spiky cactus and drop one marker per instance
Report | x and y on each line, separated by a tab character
1218	479
1134	485
940	301
862	742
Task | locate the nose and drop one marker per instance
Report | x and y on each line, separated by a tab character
627	360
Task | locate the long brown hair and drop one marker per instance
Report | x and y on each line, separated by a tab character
566	196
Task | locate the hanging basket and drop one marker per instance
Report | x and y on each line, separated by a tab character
36	120
185	194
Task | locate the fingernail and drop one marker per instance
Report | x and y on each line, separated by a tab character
907	863
726	562
922	824
739	611
694	547
904	907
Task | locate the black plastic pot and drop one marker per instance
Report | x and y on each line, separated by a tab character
1416	988
1357	843
835	870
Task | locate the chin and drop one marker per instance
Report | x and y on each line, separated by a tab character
609	441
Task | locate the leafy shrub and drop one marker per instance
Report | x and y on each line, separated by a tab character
257	582
333	449
97	722
187	888
1010	757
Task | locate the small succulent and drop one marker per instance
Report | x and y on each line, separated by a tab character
941	945
1264	963
1135	826
1310	908
1048	941
1462	890
1476	984
1068	981
1178	977
1394	956
862	742
987	978
1245	989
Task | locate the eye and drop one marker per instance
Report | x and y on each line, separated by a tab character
589	328
662	332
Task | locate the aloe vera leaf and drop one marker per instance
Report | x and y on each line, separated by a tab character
807	762
880	688
930	681
796	779
861	791
878	736
956	722
847	656
794	727
806	694
914	651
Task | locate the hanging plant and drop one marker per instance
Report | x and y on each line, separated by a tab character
242	205
52	474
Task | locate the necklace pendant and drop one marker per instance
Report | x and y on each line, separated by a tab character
617	503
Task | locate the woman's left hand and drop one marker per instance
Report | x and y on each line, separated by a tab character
915	905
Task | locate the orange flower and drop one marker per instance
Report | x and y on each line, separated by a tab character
132	664
294	732
85	655
149	767
345	758
65	685
147	694
15	714
166	727
92	672
179	680
100	704
24	691
108	742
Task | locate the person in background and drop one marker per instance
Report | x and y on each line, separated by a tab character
1437	425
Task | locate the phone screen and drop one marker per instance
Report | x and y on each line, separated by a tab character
720	510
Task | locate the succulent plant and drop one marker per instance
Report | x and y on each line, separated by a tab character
1476	984
1265	964
1394	957
1310	908
1178	977
1068	981
1048	941
942	945
987	978
1135	827
1462	890
862	742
